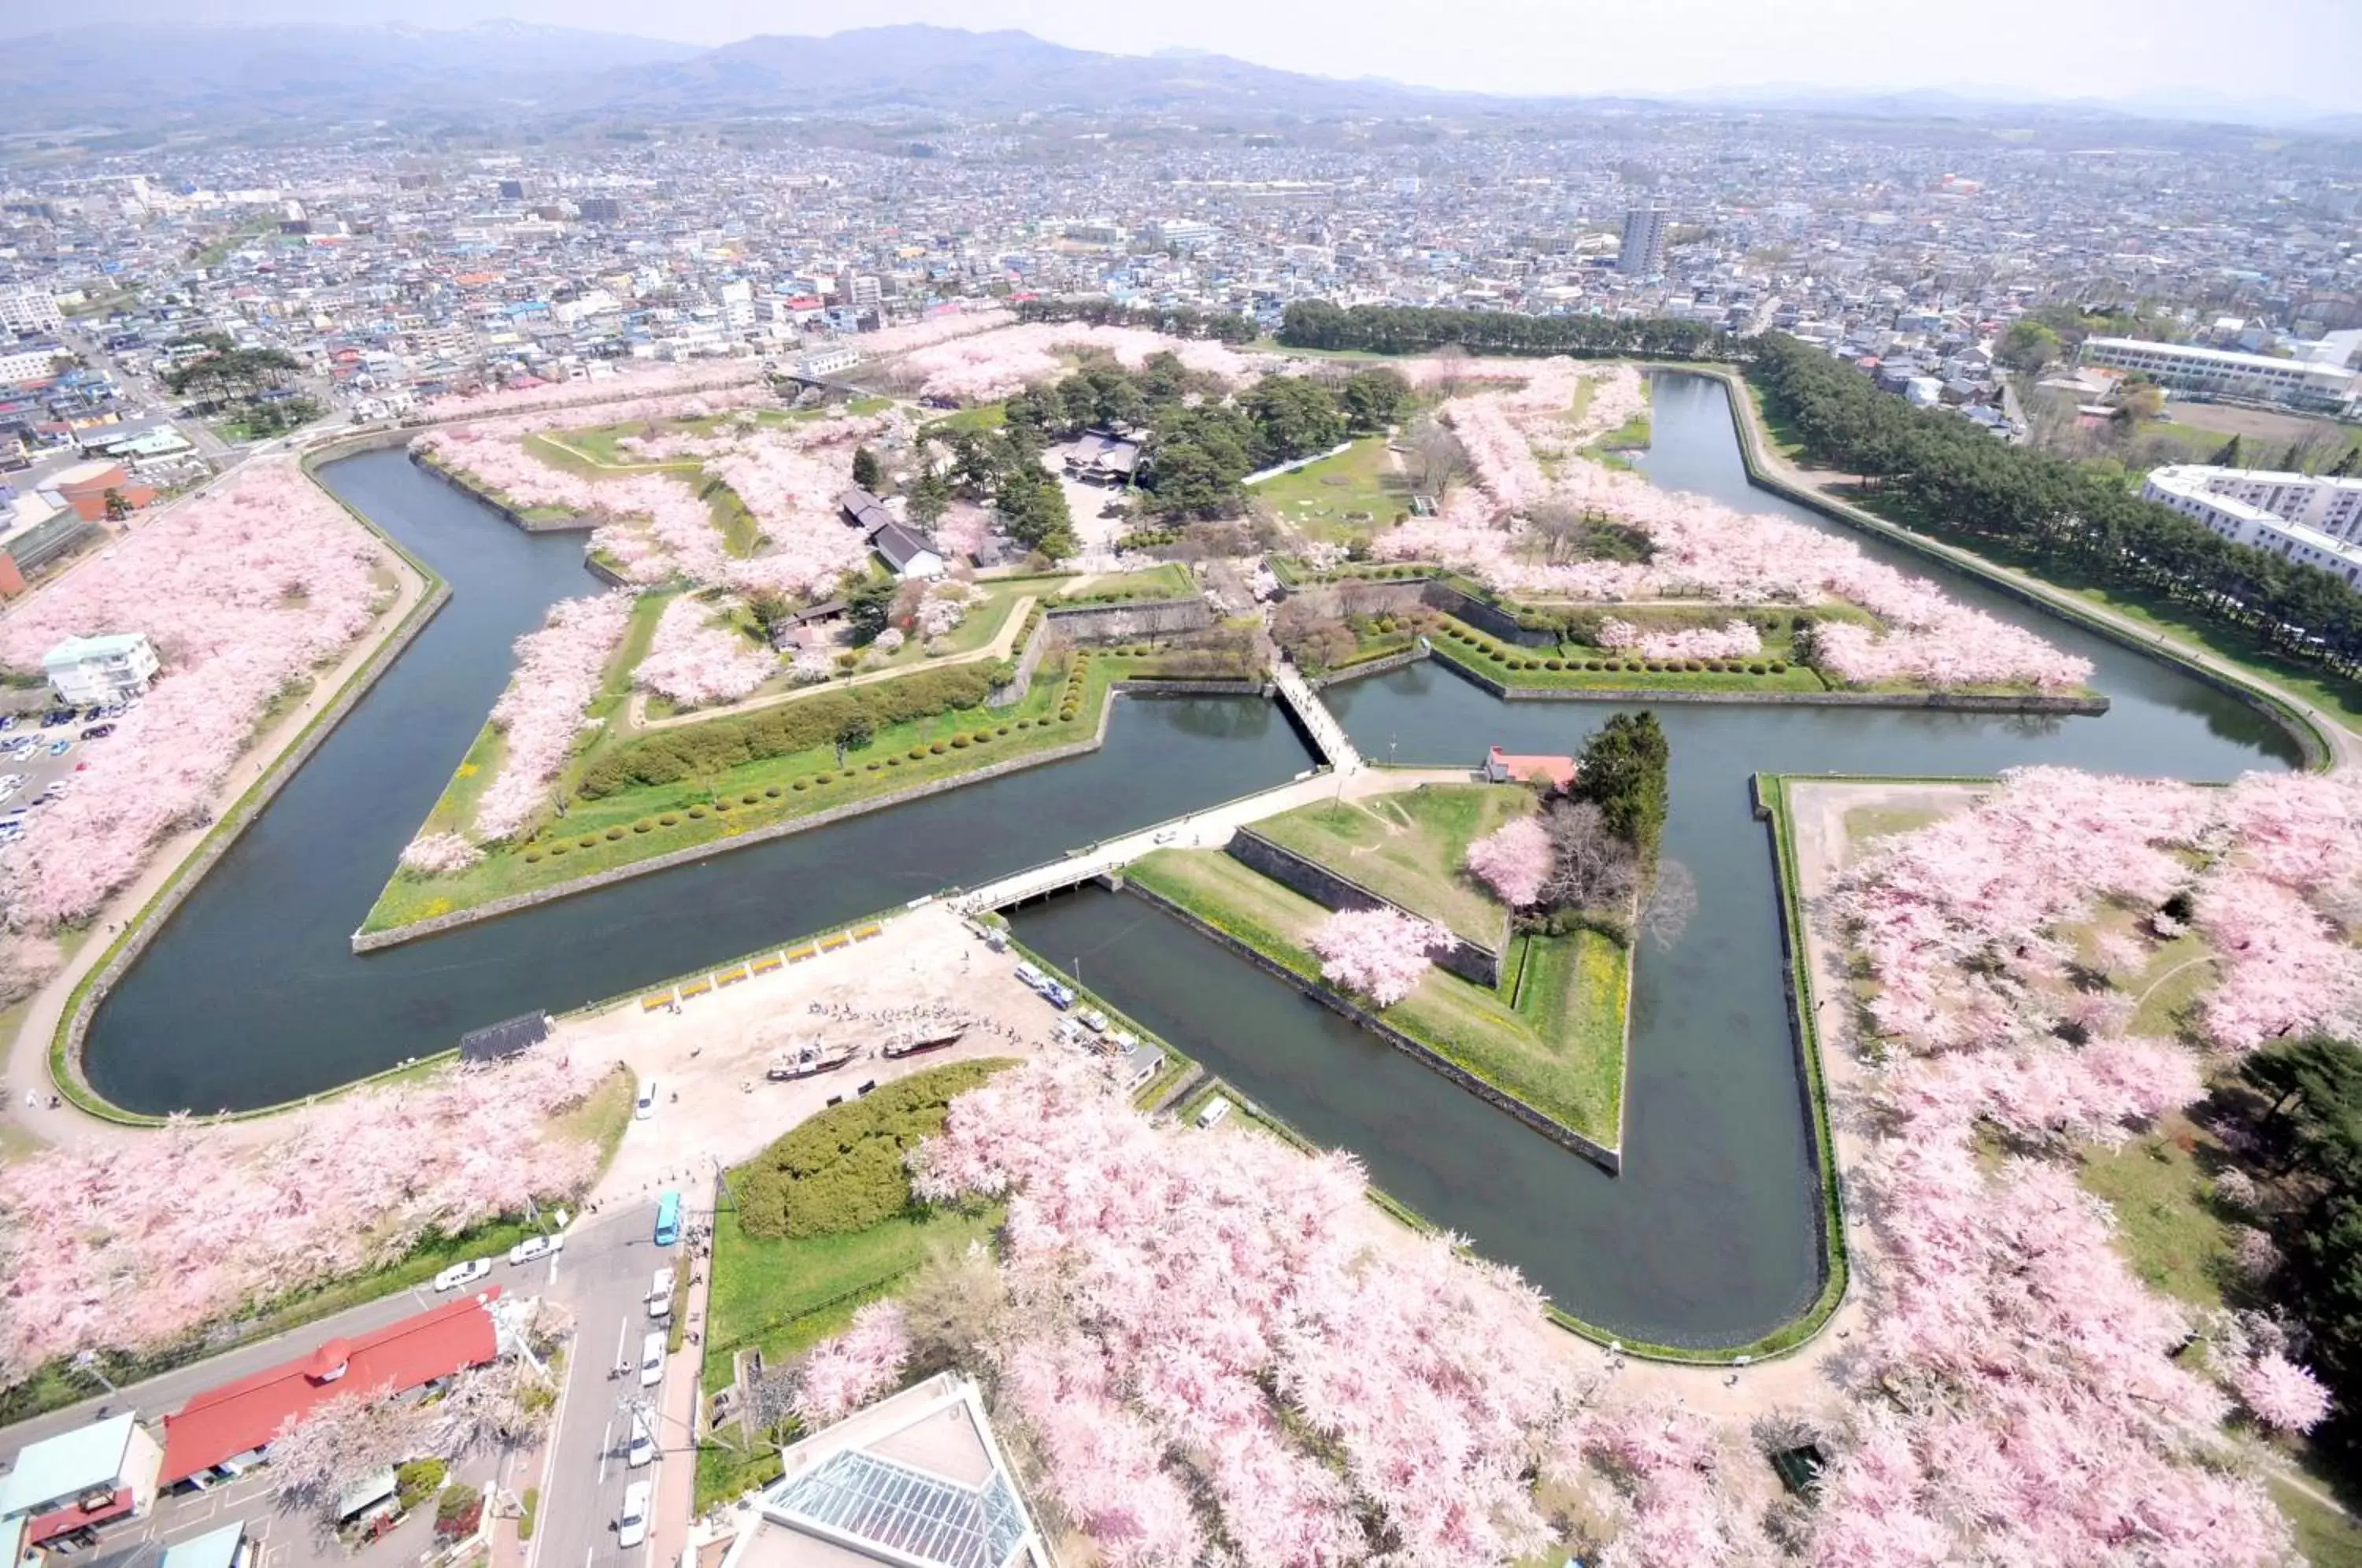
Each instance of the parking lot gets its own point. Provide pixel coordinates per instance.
(29, 770)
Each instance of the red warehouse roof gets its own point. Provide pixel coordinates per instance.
(240, 1417)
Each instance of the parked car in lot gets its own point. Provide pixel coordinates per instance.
(7, 721)
(57, 716)
(533, 1247)
(98, 732)
(59, 747)
(632, 1524)
(461, 1273)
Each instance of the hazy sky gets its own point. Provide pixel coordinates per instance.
(2305, 52)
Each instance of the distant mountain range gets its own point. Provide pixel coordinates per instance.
(155, 76)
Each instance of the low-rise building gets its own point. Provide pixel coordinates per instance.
(2197, 371)
(65, 1489)
(917, 1481)
(88, 487)
(100, 669)
(225, 1427)
(2315, 522)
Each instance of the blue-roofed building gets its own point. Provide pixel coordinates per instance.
(916, 1481)
(69, 1487)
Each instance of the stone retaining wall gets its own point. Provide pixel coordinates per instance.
(1193, 686)
(1008, 696)
(374, 941)
(152, 919)
(1332, 890)
(506, 512)
(1389, 663)
(1951, 701)
(1140, 617)
(1607, 1159)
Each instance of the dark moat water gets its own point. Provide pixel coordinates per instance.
(251, 995)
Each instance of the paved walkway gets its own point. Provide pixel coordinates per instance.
(2345, 744)
(1003, 645)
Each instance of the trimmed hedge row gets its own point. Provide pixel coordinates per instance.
(843, 1170)
(720, 745)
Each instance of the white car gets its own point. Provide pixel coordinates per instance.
(645, 1106)
(642, 1446)
(461, 1273)
(660, 1294)
(632, 1526)
(652, 1354)
(533, 1247)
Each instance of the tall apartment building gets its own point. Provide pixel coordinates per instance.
(2228, 373)
(1643, 255)
(857, 291)
(2315, 522)
(29, 308)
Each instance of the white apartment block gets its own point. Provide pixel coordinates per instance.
(28, 364)
(29, 308)
(2314, 522)
(2227, 373)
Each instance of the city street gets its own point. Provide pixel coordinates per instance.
(604, 1277)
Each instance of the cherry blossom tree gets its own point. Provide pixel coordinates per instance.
(135, 1243)
(697, 659)
(1699, 548)
(1171, 1295)
(840, 1374)
(1380, 953)
(440, 854)
(559, 670)
(246, 588)
(319, 1459)
(1514, 860)
(2282, 1395)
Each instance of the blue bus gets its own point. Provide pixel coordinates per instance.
(667, 1219)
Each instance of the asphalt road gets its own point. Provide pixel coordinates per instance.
(604, 1276)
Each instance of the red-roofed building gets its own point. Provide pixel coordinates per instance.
(1500, 768)
(241, 1417)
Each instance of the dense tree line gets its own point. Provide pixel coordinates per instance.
(1948, 472)
(1412, 329)
(2311, 1136)
(1199, 445)
(1172, 321)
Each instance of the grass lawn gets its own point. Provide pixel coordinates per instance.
(1866, 822)
(2166, 1226)
(979, 419)
(625, 828)
(1409, 846)
(2327, 1538)
(783, 1297)
(1169, 579)
(1341, 498)
(986, 618)
(1559, 1047)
